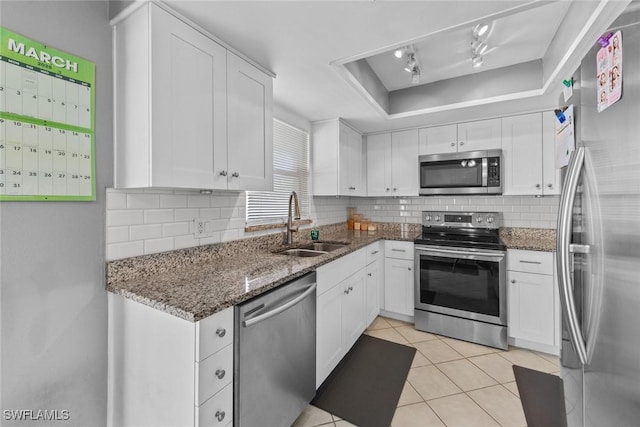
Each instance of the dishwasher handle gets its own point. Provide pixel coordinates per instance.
(280, 309)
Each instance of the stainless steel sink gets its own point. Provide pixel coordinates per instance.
(302, 252)
(324, 246)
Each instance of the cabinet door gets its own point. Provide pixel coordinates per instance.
(531, 307)
(188, 103)
(379, 164)
(550, 173)
(522, 151)
(250, 126)
(372, 285)
(353, 314)
(404, 163)
(480, 135)
(398, 286)
(329, 347)
(351, 156)
(438, 139)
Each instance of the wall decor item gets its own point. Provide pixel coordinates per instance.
(47, 122)
(609, 70)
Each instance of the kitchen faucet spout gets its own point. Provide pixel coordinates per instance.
(293, 198)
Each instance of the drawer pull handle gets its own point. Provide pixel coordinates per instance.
(369, 274)
(220, 373)
(530, 262)
(221, 332)
(374, 252)
(220, 415)
(398, 250)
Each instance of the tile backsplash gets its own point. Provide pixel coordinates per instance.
(518, 211)
(141, 222)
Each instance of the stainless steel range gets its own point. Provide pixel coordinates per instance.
(461, 277)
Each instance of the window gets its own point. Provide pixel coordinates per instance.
(290, 173)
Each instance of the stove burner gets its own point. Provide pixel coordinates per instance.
(468, 230)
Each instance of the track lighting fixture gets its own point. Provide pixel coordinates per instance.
(411, 63)
(415, 75)
(399, 52)
(479, 45)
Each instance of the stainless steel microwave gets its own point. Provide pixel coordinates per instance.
(471, 172)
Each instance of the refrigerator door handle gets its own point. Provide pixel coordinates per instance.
(565, 250)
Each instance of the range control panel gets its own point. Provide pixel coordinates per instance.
(462, 219)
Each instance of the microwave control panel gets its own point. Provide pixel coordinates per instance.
(493, 172)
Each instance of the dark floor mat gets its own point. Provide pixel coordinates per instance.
(365, 387)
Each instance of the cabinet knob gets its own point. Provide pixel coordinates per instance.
(538, 186)
(374, 252)
(220, 415)
(388, 188)
(220, 373)
(395, 189)
(235, 175)
(453, 144)
(223, 173)
(409, 268)
(513, 280)
(350, 288)
(221, 332)
(369, 274)
(352, 188)
(346, 291)
(461, 142)
(550, 185)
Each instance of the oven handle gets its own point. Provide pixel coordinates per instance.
(459, 252)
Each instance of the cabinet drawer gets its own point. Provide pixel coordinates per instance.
(398, 249)
(214, 372)
(373, 252)
(530, 261)
(217, 411)
(214, 333)
(331, 274)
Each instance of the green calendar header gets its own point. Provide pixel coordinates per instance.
(26, 51)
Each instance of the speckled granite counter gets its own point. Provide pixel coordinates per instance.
(195, 283)
(534, 239)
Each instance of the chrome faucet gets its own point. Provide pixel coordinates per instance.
(290, 228)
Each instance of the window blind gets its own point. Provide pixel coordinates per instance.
(290, 173)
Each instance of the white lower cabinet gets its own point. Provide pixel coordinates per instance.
(533, 315)
(373, 282)
(399, 278)
(167, 371)
(346, 301)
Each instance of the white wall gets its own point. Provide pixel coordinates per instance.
(524, 211)
(53, 321)
(141, 222)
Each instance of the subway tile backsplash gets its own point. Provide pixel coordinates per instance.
(141, 222)
(518, 211)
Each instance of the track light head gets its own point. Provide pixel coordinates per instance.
(411, 63)
(480, 29)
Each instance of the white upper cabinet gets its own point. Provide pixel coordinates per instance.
(469, 136)
(250, 126)
(439, 139)
(171, 108)
(392, 164)
(480, 135)
(526, 143)
(338, 168)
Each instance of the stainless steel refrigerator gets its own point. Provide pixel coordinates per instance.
(599, 247)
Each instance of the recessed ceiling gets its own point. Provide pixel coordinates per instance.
(307, 43)
(512, 39)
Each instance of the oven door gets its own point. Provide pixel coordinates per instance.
(462, 282)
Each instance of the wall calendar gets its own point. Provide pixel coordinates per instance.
(47, 122)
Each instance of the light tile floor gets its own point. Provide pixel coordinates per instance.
(451, 383)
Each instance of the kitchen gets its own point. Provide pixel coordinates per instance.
(55, 352)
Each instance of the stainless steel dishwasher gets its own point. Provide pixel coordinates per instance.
(275, 355)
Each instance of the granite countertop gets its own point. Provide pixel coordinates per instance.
(534, 239)
(195, 283)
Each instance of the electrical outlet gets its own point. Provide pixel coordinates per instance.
(202, 228)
